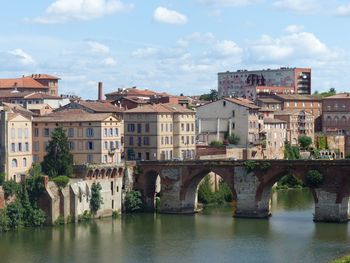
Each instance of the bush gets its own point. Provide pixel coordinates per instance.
(59, 221)
(289, 181)
(304, 141)
(233, 139)
(11, 188)
(85, 217)
(314, 179)
(96, 199)
(35, 170)
(4, 221)
(291, 152)
(61, 181)
(133, 201)
(14, 214)
(207, 196)
(35, 187)
(216, 144)
(250, 165)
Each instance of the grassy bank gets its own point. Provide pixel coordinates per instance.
(345, 259)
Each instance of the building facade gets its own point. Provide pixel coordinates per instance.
(16, 144)
(299, 123)
(160, 132)
(228, 116)
(336, 117)
(93, 137)
(242, 82)
(275, 132)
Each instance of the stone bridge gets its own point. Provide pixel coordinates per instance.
(251, 185)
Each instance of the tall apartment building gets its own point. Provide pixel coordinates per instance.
(33, 83)
(250, 83)
(336, 117)
(93, 137)
(299, 123)
(159, 132)
(229, 115)
(16, 143)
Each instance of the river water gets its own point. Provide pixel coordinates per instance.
(289, 235)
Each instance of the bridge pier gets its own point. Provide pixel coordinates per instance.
(327, 209)
(248, 205)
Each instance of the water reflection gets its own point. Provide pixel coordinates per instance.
(289, 235)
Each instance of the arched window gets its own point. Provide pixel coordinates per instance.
(24, 162)
(329, 119)
(14, 163)
(343, 120)
(336, 119)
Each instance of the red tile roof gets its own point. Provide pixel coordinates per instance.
(98, 106)
(73, 115)
(243, 102)
(43, 76)
(24, 82)
(160, 108)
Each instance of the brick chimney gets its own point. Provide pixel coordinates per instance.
(100, 91)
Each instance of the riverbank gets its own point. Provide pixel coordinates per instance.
(345, 259)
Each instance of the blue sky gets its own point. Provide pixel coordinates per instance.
(174, 46)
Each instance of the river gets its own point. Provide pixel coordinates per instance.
(289, 235)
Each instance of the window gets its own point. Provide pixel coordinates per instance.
(139, 141)
(36, 132)
(46, 146)
(13, 133)
(110, 132)
(14, 163)
(46, 132)
(147, 127)
(166, 127)
(171, 140)
(167, 140)
(36, 146)
(13, 147)
(162, 127)
(104, 159)
(71, 132)
(162, 140)
(71, 146)
(139, 128)
(187, 127)
(192, 126)
(224, 103)
(24, 162)
(20, 147)
(233, 114)
(26, 133)
(182, 126)
(182, 139)
(192, 139)
(90, 158)
(145, 140)
(116, 132)
(26, 147)
(111, 145)
(105, 145)
(171, 127)
(147, 155)
(90, 145)
(233, 125)
(105, 132)
(89, 132)
(131, 127)
(131, 140)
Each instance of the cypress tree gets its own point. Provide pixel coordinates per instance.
(58, 160)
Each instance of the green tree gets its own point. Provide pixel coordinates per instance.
(14, 214)
(35, 170)
(314, 179)
(216, 143)
(2, 178)
(61, 181)
(291, 152)
(96, 198)
(211, 96)
(58, 160)
(133, 201)
(233, 139)
(304, 141)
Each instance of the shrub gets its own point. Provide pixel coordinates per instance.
(85, 217)
(11, 188)
(96, 199)
(35, 170)
(59, 221)
(133, 201)
(4, 221)
(304, 141)
(216, 144)
(289, 181)
(205, 194)
(35, 187)
(37, 217)
(291, 152)
(233, 139)
(14, 214)
(61, 181)
(314, 179)
(250, 165)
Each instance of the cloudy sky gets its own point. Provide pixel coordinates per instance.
(174, 46)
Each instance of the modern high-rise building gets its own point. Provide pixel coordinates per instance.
(250, 83)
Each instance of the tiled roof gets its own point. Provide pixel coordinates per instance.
(160, 108)
(271, 120)
(243, 102)
(290, 112)
(13, 94)
(339, 96)
(16, 108)
(100, 107)
(133, 92)
(268, 100)
(40, 95)
(44, 76)
(72, 115)
(24, 82)
(298, 97)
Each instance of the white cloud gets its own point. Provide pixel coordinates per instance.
(302, 45)
(24, 58)
(144, 52)
(109, 61)
(294, 28)
(298, 6)
(164, 15)
(343, 10)
(97, 47)
(64, 10)
(228, 48)
(226, 2)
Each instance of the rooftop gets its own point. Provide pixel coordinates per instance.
(100, 107)
(344, 95)
(290, 112)
(243, 102)
(160, 108)
(73, 115)
(298, 97)
(271, 120)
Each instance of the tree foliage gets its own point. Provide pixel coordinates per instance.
(133, 201)
(304, 141)
(314, 179)
(211, 96)
(325, 94)
(233, 139)
(207, 196)
(216, 144)
(58, 160)
(291, 152)
(96, 198)
(2, 178)
(61, 181)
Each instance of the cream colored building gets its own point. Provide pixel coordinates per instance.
(93, 137)
(16, 143)
(229, 115)
(275, 132)
(299, 123)
(159, 132)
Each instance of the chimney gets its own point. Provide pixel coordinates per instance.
(100, 91)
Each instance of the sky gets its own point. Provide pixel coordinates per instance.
(173, 46)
